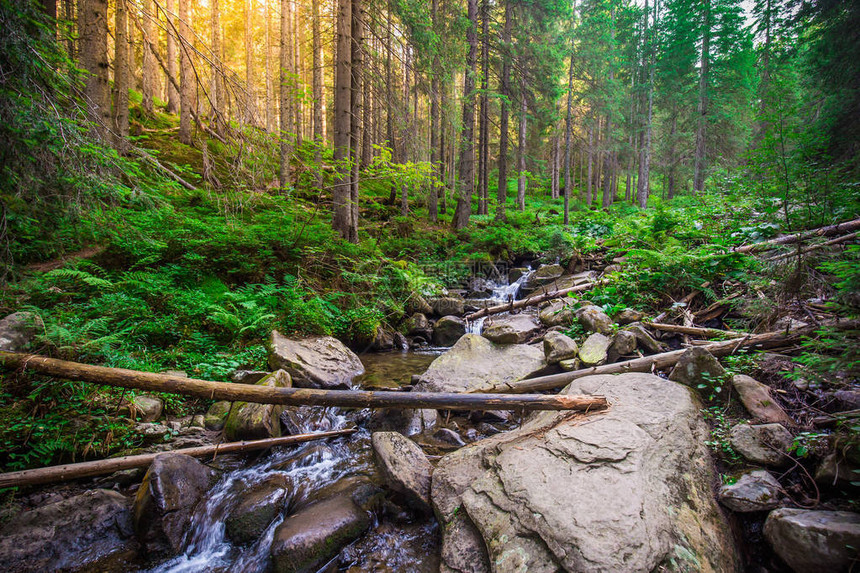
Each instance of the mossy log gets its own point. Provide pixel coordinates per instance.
(829, 231)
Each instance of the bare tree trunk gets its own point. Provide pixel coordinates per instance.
(298, 105)
(483, 127)
(607, 167)
(342, 120)
(271, 113)
(218, 95)
(250, 105)
(172, 68)
(567, 126)
(356, 105)
(121, 75)
(287, 128)
(317, 85)
(505, 89)
(92, 24)
(405, 133)
(433, 195)
(467, 141)
(148, 69)
(69, 11)
(443, 148)
(644, 188)
(670, 192)
(702, 108)
(186, 74)
(588, 188)
(521, 149)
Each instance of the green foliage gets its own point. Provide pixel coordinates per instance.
(720, 430)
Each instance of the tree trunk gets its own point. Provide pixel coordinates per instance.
(287, 129)
(644, 187)
(317, 84)
(607, 167)
(172, 69)
(121, 75)
(342, 191)
(149, 83)
(271, 112)
(432, 196)
(250, 104)
(702, 108)
(467, 141)
(588, 188)
(356, 105)
(567, 128)
(186, 74)
(521, 148)
(505, 89)
(93, 29)
(219, 95)
(483, 128)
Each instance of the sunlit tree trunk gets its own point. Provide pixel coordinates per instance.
(356, 105)
(505, 90)
(483, 128)
(149, 72)
(271, 113)
(567, 129)
(521, 149)
(93, 28)
(467, 141)
(702, 108)
(342, 119)
(172, 69)
(286, 96)
(186, 73)
(217, 95)
(121, 75)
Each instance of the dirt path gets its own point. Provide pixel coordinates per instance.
(59, 262)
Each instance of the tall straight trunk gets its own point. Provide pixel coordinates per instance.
(555, 166)
(149, 71)
(342, 191)
(69, 13)
(356, 105)
(186, 74)
(505, 89)
(567, 128)
(702, 108)
(405, 133)
(248, 37)
(172, 68)
(433, 195)
(590, 178)
(317, 84)
(521, 149)
(286, 96)
(673, 129)
(467, 141)
(219, 93)
(271, 113)
(93, 29)
(483, 127)
(607, 167)
(443, 148)
(367, 98)
(298, 73)
(121, 75)
(644, 187)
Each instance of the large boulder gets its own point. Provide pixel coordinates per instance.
(753, 491)
(593, 319)
(143, 407)
(171, 489)
(629, 316)
(216, 416)
(310, 537)
(594, 350)
(250, 421)
(625, 489)
(644, 339)
(314, 362)
(698, 369)
(418, 325)
(512, 329)
(260, 504)
(558, 347)
(17, 330)
(88, 532)
(623, 344)
(814, 541)
(475, 362)
(448, 330)
(557, 313)
(405, 467)
(448, 305)
(765, 444)
(759, 402)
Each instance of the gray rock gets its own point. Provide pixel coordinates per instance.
(698, 369)
(593, 319)
(558, 347)
(405, 468)
(400, 342)
(448, 330)
(475, 362)
(845, 400)
(383, 341)
(248, 376)
(418, 325)
(765, 444)
(314, 362)
(88, 532)
(418, 303)
(646, 342)
(569, 365)
(512, 329)
(309, 538)
(250, 421)
(152, 432)
(171, 488)
(623, 344)
(626, 489)
(759, 402)
(787, 323)
(143, 407)
(17, 330)
(814, 541)
(198, 421)
(544, 275)
(594, 350)
(753, 491)
(557, 313)
(516, 273)
(835, 470)
(216, 416)
(259, 505)
(629, 316)
(448, 305)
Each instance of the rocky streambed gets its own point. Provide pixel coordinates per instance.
(630, 488)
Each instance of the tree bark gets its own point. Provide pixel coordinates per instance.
(588, 188)
(483, 127)
(829, 231)
(66, 472)
(149, 80)
(206, 389)
(467, 142)
(172, 69)
(356, 105)
(521, 148)
(317, 84)
(218, 95)
(702, 108)
(93, 29)
(121, 75)
(433, 194)
(505, 89)
(250, 104)
(342, 120)
(287, 129)
(567, 128)
(186, 74)
(271, 112)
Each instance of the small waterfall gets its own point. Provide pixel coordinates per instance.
(501, 293)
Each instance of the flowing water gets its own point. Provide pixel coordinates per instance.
(502, 292)
(394, 547)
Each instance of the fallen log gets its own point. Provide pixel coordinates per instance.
(66, 472)
(528, 301)
(829, 231)
(292, 396)
(811, 248)
(661, 361)
(696, 330)
(684, 302)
